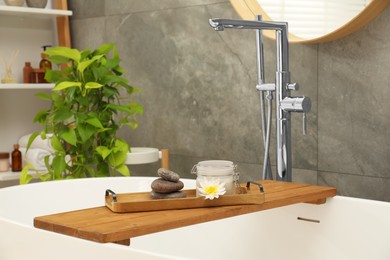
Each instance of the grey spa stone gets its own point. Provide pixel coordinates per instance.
(173, 195)
(162, 186)
(168, 175)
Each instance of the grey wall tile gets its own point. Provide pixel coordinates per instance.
(304, 176)
(354, 122)
(86, 8)
(134, 6)
(356, 186)
(88, 33)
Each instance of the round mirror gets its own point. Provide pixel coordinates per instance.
(313, 21)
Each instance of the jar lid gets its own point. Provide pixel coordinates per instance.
(215, 167)
(216, 163)
(4, 155)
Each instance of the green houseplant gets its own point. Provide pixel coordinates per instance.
(85, 114)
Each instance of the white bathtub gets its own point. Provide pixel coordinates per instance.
(348, 228)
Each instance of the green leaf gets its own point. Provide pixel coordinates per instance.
(66, 84)
(132, 125)
(113, 63)
(119, 108)
(40, 117)
(31, 139)
(25, 177)
(66, 52)
(123, 169)
(44, 96)
(95, 122)
(69, 136)
(44, 177)
(104, 48)
(121, 145)
(85, 64)
(100, 72)
(103, 151)
(119, 70)
(85, 53)
(109, 91)
(85, 131)
(57, 145)
(102, 170)
(136, 108)
(119, 153)
(113, 78)
(59, 166)
(62, 114)
(53, 75)
(90, 170)
(90, 85)
(58, 59)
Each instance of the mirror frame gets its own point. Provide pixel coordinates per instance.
(247, 9)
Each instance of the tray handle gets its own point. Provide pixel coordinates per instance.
(108, 191)
(248, 185)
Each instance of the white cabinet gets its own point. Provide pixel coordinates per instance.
(25, 30)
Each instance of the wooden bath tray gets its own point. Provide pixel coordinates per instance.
(102, 225)
(141, 201)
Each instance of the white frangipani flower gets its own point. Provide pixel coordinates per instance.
(211, 188)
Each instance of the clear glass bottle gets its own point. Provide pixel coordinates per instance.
(16, 159)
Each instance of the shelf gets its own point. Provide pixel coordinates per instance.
(35, 12)
(9, 176)
(12, 176)
(26, 86)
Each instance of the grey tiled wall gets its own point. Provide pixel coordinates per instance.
(198, 91)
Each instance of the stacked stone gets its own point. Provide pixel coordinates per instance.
(168, 186)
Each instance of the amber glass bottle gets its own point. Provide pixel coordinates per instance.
(16, 164)
(27, 70)
(44, 64)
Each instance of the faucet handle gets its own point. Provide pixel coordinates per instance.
(266, 87)
(293, 86)
(304, 123)
(297, 104)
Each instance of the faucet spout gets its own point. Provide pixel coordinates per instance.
(218, 23)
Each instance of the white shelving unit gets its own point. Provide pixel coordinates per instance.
(12, 176)
(26, 29)
(16, 86)
(33, 12)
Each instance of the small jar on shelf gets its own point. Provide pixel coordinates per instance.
(4, 162)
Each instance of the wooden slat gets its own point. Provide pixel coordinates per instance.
(63, 29)
(165, 158)
(102, 225)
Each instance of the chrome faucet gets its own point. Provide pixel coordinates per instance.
(285, 103)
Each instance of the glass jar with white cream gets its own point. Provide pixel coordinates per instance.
(215, 178)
